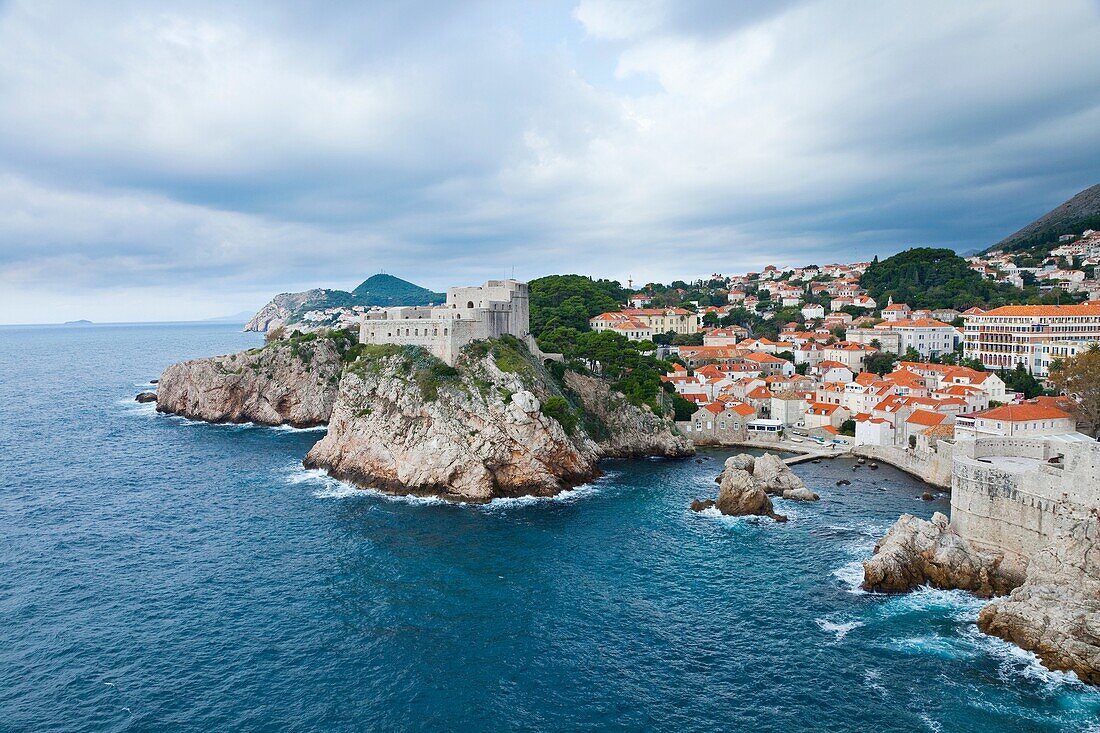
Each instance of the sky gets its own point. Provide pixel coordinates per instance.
(177, 161)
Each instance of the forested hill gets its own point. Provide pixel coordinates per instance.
(1072, 217)
(387, 290)
(924, 277)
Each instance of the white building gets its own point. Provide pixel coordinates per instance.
(873, 430)
(928, 337)
(810, 311)
(1004, 337)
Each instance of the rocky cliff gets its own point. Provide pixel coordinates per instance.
(291, 382)
(1056, 611)
(494, 425)
(403, 422)
(627, 431)
(281, 308)
(916, 552)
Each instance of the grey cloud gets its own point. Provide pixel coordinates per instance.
(213, 146)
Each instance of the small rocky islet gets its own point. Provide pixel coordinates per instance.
(747, 483)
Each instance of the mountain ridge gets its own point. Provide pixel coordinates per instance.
(1072, 216)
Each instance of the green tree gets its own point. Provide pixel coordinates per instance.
(570, 300)
(1021, 380)
(1079, 377)
(881, 362)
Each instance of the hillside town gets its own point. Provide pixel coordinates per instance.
(808, 353)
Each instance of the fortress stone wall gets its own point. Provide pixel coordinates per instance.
(497, 308)
(1007, 493)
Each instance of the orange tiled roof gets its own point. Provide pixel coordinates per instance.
(1022, 412)
(926, 417)
(1045, 310)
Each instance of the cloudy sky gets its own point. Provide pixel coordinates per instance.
(188, 160)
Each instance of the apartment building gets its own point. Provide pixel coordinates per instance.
(1004, 337)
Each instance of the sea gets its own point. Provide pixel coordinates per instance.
(159, 574)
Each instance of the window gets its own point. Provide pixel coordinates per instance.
(469, 304)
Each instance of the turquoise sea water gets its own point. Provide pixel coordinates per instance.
(159, 574)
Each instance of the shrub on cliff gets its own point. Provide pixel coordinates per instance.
(559, 409)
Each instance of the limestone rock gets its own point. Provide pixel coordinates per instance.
(917, 552)
(471, 435)
(775, 476)
(144, 397)
(279, 310)
(631, 431)
(740, 495)
(1056, 612)
(741, 461)
(699, 505)
(802, 494)
(292, 382)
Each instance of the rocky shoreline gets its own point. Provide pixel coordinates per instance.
(1049, 605)
(400, 421)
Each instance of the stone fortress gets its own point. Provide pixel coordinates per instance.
(1008, 494)
(497, 308)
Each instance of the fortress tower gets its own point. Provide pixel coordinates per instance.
(497, 308)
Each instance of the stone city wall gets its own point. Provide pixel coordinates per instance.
(1012, 506)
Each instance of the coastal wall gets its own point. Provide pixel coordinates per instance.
(1007, 493)
(931, 467)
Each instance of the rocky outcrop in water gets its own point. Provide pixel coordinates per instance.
(495, 425)
(739, 493)
(144, 397)
(776, 477)
(292, 382)
(917, 552)
(402, 421)
(1055, 613)
(626, 431)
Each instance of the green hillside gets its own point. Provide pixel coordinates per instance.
(381, 290)
(925, 277)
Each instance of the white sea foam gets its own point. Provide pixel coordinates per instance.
(574, 494)
(291, 429)
(961, 606)
(872, 677)
(734, 521)
(851, 575)
(932, 723)
(140, 409)
(331, 488)
(1014, 663)
(839, 630)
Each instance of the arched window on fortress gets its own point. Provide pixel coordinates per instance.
(444, 331)
(469, 304)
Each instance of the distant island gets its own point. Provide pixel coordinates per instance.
(81, 322)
